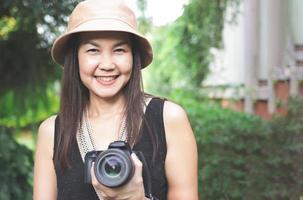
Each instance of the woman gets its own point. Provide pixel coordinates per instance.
(102, 101)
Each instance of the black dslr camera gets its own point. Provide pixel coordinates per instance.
(113, 167)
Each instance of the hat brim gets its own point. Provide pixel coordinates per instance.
(102, 24)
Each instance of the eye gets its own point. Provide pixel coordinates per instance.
(92, 50)
(120, 50)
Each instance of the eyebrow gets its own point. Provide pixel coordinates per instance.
(90, 42)
(119, 43)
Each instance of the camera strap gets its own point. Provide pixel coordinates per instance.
(146, 177)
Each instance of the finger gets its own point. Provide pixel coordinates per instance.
(138, 165)
(99, 187)
(138, 178)
(94, 179)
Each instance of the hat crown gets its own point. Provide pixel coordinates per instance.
(101, 9)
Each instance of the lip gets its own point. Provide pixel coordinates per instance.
(107, 80)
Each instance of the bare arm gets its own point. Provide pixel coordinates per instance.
(45, 185)
(181, 162)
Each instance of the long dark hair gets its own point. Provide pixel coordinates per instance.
(75, 98)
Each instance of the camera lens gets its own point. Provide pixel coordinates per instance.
(112, 166)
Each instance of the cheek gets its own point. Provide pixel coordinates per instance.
(127, 65)
(129, 68)
(86, 69)
(86, 66)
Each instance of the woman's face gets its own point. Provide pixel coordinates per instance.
(105, 62)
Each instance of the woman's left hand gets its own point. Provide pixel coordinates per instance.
(133, 190)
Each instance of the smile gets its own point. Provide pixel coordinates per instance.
(106, 80)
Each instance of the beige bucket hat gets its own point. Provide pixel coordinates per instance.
(102, 15)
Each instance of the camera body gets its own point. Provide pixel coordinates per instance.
(113, 167)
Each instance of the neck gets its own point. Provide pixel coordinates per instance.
(106, 108)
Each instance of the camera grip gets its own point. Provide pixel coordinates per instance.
(89, 158)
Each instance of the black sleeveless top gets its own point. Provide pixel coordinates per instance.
(70, 183)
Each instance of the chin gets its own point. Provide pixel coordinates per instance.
(109, 94)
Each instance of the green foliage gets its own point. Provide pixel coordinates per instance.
(166, 70)
(243, 157)
(15, 168)
(201, 27)
(182, 49)
(144, 22)
(27, 28)
(28, 83)
(21, 112)
(285, 153)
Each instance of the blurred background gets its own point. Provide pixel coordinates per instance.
(236, 66)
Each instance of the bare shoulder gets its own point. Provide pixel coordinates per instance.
(176, 123)
(46, 128)
(46, 135)
(175, 116)
(48, 123)
(44, 171)
(173, 111)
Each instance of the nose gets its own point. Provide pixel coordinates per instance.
(106, 63)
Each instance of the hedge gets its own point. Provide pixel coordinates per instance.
(15, 168)
(244, 157)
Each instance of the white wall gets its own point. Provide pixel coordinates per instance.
(280, 21)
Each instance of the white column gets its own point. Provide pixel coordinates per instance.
(251, 48)
(296, 16)
(296, 33)
(273, 44)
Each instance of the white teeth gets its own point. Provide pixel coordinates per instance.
(106, 78)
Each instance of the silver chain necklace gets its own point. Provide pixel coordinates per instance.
(121, 133)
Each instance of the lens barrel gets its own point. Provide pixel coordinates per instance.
(113, 167)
